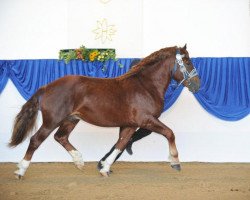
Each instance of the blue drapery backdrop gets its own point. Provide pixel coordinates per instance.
(224, 92)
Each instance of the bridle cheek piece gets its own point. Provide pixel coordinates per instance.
(186, 75)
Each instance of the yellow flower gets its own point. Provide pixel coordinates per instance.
(93, 55)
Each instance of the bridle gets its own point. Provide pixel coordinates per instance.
(186, 75)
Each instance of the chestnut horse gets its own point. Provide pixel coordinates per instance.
(132, 100)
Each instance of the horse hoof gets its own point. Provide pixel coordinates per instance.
(177, 167)
(104, 174)
(129, 149)
(18, 176)
(99, 165)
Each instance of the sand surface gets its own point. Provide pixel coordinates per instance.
(128, 181)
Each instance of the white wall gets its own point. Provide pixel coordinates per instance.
(39, 28)
(216, 28)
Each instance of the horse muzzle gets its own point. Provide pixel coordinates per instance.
(193, 84)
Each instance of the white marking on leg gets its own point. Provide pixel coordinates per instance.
(109, 161)
(77, 158)
(22, 167)
(173, 161)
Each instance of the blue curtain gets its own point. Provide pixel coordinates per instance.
(225, 82)
(172, 94)
(29, 75)
(3, 75)
(225, 86)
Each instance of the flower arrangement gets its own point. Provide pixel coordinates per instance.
(85, 54)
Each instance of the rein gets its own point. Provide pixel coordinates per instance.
(179, 63)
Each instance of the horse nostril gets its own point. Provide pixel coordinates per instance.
(194, 87)
(197, 88)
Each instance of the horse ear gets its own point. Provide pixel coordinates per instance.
(185, 47)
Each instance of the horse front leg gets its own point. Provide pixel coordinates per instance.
(99, 165)
(139, 134)
(157, 126)
(124, 137)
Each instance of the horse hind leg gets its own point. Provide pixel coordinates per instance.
(62, 137)
(35, 141)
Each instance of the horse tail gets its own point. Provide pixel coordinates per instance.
(26, 119)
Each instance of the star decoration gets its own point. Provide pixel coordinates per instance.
(104, 31)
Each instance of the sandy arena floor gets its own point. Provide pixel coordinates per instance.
(129, 181)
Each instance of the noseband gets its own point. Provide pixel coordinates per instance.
(186, 75)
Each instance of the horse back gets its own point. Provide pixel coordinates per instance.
(114, 102)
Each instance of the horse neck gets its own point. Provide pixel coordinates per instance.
(156, 78)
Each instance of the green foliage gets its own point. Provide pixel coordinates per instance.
(85, 54)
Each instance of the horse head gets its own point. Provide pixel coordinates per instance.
(184, 72)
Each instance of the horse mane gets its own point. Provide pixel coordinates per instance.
(150, 60)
